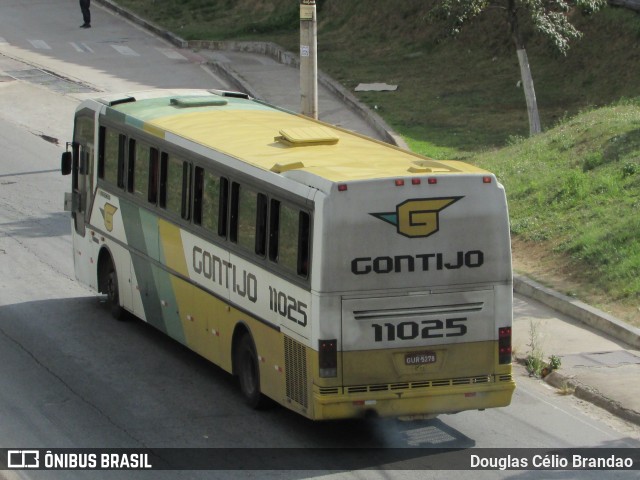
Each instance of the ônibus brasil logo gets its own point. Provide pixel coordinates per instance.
(417, 218)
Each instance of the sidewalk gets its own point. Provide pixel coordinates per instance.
(600, 355)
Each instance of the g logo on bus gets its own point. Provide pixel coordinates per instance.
(417, 218)
(107, 215)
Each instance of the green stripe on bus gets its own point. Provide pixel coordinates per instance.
(152, 109)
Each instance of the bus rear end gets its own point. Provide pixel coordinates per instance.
(413, 286)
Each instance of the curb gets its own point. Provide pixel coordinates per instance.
(573, 308)
(587, 393)
(284, 57)
(232, 77)
(592, 395)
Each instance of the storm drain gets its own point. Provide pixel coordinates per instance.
(49, 80)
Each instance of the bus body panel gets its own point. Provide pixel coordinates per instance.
(417, 403)
(421, 319)
(382, 236)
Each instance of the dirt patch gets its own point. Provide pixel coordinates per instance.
(556, 272)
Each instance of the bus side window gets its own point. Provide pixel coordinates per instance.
(209, 202)
(185, 208)
(122, 145)
(289, 238)
(248, 219)
(175, 178)
(274, 230)
(139, 169)
(198, 187)
(111, 156)
(303, 244)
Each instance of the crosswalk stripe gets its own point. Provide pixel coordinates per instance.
(40, 44)
(81, 47)
(124, 50)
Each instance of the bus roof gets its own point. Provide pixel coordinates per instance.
(271, 138)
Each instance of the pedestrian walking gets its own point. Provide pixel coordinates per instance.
(86, 13)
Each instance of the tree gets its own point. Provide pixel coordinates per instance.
(550, 18)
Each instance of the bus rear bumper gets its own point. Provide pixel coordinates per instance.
(413, 403)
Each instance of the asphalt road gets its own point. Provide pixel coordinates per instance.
(72, 377)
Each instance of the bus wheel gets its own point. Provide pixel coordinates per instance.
(113, 294)
(249, 372)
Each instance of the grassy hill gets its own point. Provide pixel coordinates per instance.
(455, 93)
(573, 191)
(574, 200)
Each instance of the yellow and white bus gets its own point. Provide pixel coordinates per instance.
(334, 274)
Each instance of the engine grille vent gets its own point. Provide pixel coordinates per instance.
(295, 364)
(425, 384)
(418, 311)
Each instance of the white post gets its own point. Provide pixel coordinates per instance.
(308, 58)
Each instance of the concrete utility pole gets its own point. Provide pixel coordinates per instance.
(308, 58)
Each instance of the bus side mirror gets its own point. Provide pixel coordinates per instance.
(65, 163)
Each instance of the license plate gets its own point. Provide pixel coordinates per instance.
(419, 358)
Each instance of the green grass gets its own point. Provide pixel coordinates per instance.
(459, 93)
(573, 190)
(576, 188)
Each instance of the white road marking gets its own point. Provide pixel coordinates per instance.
(82, 47)
(123, 50)
(40, 44)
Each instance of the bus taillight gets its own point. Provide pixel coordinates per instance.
(328, 358)
(504, 345)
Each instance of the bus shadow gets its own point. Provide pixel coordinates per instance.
(52, 225)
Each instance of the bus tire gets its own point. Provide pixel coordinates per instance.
(113, 293)
(248, 370)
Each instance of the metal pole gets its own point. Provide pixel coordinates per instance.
(308, 58)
